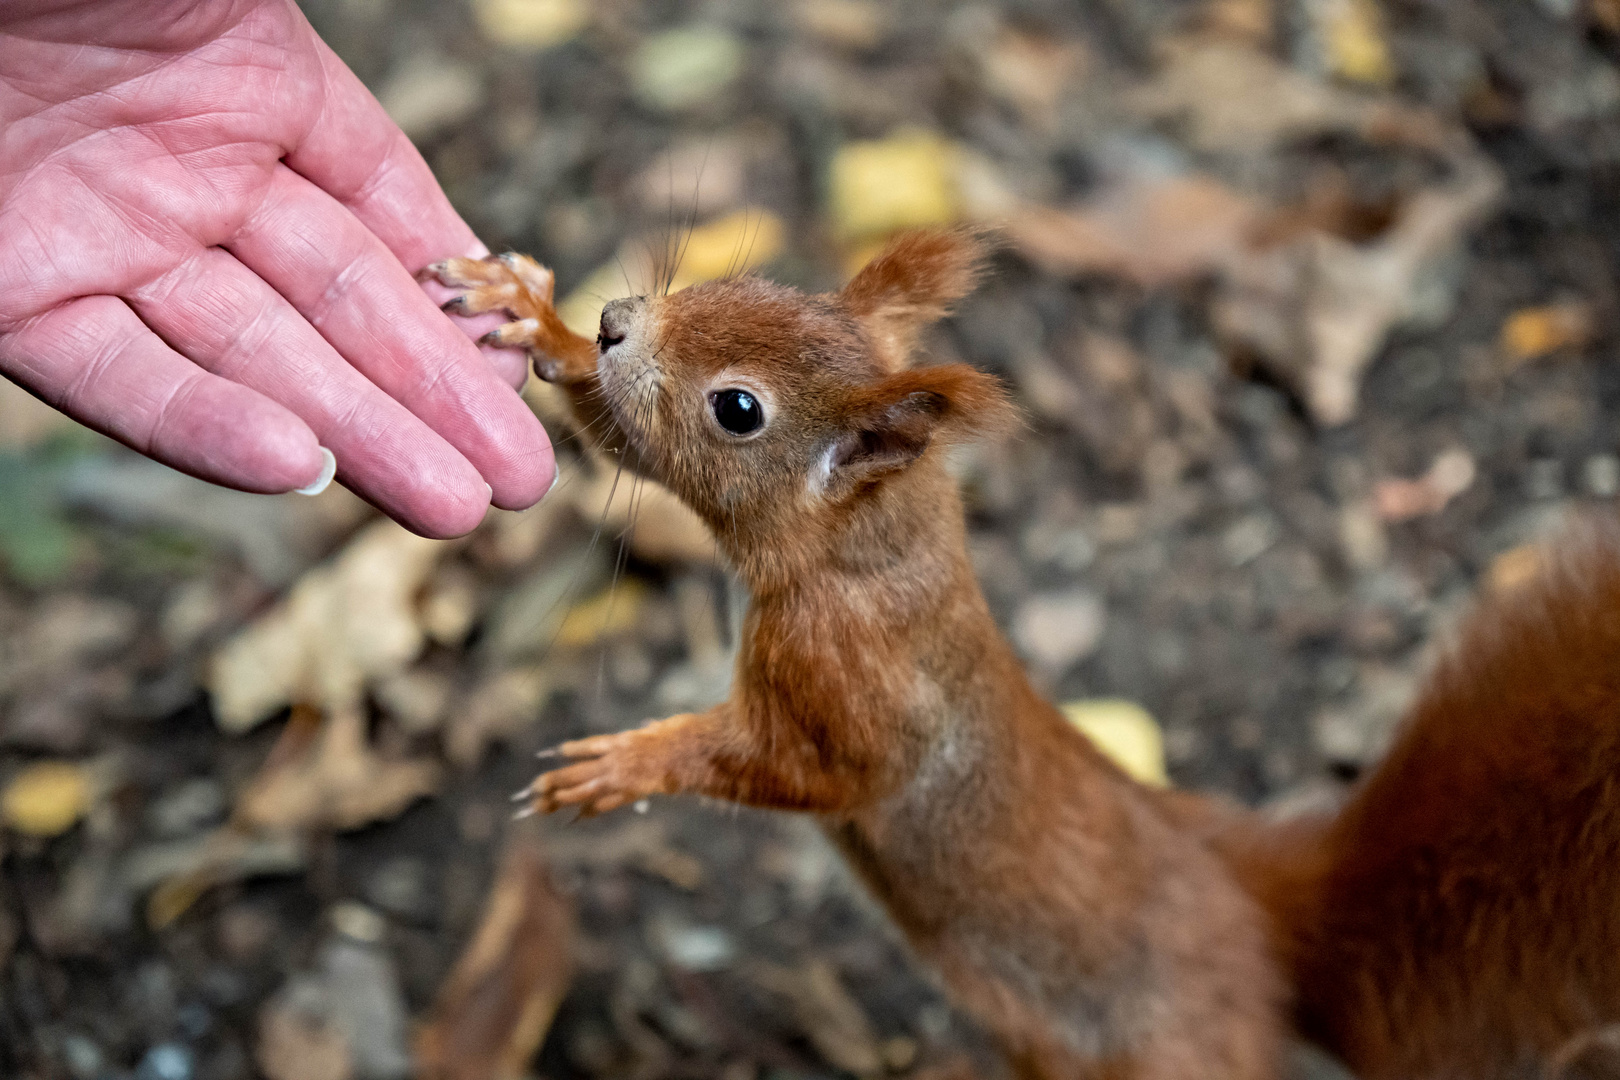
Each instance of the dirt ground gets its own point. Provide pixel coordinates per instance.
(1309, 305)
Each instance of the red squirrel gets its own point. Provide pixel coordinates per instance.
(1459, 918)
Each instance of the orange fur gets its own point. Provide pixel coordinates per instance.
(873, 689)
(1456, 920)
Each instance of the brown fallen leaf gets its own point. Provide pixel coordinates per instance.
(1231, 96)
(833, 1020)
(344, 624)
(299, 1041)
(499, 708)
(494, 1009)
(323, 774)
(1400, 500)
(1151, 231)
(657, 525)
(1318, 310)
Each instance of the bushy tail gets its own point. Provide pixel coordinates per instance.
(1461, 916)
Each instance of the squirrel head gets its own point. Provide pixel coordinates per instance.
(772, 412)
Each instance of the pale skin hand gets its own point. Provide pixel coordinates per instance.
(208, 231)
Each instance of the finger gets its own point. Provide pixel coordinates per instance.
(512, 365)
(343, 281)
(356, 153)
(93, 359)
(228, 321)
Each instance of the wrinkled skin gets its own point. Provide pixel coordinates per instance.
(208, 234)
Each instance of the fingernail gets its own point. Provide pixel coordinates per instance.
(556, 474)
(489, 493)
(478, 250)
(323, 481)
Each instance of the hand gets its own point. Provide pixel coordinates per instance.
(208, 230)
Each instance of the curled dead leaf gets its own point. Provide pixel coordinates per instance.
(494, 1009)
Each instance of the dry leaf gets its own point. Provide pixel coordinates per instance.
(1400, 500)
(1319, 309)
(1126, 733)
(298, 1042)
(1152, 231)
(500, 708)
(664, 530)
(531, 24)
(1031, 73)
(322, 774)
(1235, 98)
(46, 799)
(905, 181)
(734, 244)
(1353, 42)
(1533, 332)
(850, 24)
(1515, 567)
(179, 872)
(493, 1011)
(833, 1020)
(345, 623)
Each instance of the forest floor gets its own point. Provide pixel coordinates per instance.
(1308, 305)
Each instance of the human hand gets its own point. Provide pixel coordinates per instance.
(208, 229)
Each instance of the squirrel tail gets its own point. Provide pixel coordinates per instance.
(1461, 915)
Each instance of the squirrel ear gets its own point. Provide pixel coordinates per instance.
(912, 283)
(896, 420)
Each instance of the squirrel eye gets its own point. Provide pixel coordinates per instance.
(737, 411)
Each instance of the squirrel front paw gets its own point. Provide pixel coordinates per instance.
(522, 289)
(608, 771)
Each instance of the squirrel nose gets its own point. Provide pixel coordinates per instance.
(616, 318)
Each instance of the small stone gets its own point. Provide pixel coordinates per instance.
(358, 923)
(46, 799)
(683, 68)
(1602, 475)
(1248, 538)
(187, 807)
(83, 1058)
(1544, 479)
(166, 1061)
(1362, 537)
(368, 1007)
(697, 948)
(400, 887)
(1055, 630)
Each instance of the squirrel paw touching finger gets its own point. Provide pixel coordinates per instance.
(522, 289)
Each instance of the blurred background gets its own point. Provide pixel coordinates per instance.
(1308, 303)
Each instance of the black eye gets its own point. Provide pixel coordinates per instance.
(737, 410)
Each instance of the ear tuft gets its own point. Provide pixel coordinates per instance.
(912, 283)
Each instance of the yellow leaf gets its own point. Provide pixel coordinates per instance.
(1533, 332)
(1514, 567)
(905, 181)
(736, 243)
(1354, 37)
(611, 611)
(1125, 733)
(46, 799)
(531, 24)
